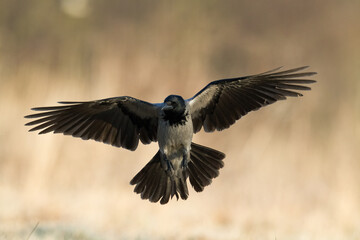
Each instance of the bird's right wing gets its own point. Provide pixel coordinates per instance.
(119, 121)
(218, 105)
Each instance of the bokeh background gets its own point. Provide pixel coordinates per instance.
(292, 169)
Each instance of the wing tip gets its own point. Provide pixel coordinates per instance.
(69, 102)
(36, 108)
(290, 70)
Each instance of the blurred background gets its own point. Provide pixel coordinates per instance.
(291, 171)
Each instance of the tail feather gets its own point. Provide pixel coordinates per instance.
(195, 182)
(204, 168)
(141, 179)
(158, 193)
(199, 174)
(183, 189)
(167, 192)
(208, 155)
(204, 165)
(153, 182)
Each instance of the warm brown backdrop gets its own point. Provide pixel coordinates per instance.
(292, 169)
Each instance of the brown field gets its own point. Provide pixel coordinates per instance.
(292, 169)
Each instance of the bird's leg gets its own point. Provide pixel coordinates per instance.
(185, 160)
(170, 166)
(166, 163)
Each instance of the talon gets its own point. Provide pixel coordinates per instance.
(184, 161)
(169, 165)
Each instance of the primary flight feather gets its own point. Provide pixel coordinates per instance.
(123, 121)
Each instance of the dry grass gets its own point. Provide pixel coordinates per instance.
(291, 171)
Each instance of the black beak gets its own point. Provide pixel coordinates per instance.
(167, 106)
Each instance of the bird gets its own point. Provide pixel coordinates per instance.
(124, 121)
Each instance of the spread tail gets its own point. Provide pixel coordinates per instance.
(153, 182)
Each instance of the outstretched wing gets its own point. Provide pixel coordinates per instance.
(222, 102)
(119, 121)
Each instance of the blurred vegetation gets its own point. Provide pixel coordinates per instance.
(295, 165)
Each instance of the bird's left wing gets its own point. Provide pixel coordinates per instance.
(222, 102)
(119, 121)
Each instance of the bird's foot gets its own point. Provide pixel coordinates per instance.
(184, 162)
(170, 166)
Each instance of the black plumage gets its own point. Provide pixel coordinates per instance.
(120, 121)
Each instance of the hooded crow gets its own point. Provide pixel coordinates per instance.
(123, 121)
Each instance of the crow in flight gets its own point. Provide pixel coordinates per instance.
(123, 121)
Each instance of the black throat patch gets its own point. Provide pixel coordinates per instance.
(175, 119)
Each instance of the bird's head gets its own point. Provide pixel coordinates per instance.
(174, 106)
